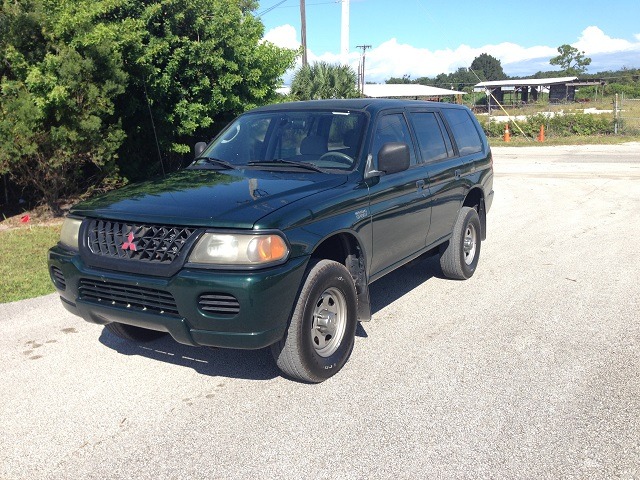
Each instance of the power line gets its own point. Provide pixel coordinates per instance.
(280, 5)
(267, 10)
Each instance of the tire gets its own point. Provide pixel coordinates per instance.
(321, 333)
(135, 334)
(460, 256)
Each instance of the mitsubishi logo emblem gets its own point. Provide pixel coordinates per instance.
(129, 245)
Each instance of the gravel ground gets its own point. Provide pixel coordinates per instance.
(531, 369)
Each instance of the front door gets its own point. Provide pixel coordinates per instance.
(398, 202)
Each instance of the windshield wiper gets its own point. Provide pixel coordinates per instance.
(216, 161)
(280, 161)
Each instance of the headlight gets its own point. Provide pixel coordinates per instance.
(69, 233)
(239, 249)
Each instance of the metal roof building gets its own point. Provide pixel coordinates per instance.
(406, 90)
(525, 82)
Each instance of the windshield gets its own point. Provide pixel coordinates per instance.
(312, 140)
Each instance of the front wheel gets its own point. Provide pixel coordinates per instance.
(321, 332)
(459, 258)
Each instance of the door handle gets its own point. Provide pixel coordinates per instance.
(420, 184)
(457, 173)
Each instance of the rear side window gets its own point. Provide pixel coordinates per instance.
(430, 136)
(464, 130)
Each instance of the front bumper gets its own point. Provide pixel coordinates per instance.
(265, 300)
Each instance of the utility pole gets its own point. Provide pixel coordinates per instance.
(344, 33)
(361, 67)
(303, 32)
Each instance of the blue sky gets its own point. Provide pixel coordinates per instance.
(425, 38)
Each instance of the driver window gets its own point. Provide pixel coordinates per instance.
(392, 128)
(242, 142)
(292, 133)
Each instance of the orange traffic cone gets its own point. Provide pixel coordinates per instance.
(507, 133)
(541, 134)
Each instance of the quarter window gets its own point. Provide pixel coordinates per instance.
(464, 130)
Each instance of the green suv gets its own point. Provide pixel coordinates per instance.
(272, 236)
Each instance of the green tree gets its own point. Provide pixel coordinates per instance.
(77, 74)
(571, 60)
(200, 63)
(404, 80)
(58, 131)
(324, 80)
(194, 65)
(488, 68)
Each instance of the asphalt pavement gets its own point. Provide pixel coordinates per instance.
(530, 369)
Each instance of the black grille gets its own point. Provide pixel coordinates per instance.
(147, 243)
(219, 304)
(128, 296)
(58, 278)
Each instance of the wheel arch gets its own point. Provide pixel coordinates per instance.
(345, 248)
(475, 199)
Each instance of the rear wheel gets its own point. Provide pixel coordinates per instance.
(322, 330)
(136, 334)
(459, 258)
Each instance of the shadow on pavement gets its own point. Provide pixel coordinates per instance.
(258, 364)
(214, 362)
(398, 283)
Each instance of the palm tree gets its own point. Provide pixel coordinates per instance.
(324, 80)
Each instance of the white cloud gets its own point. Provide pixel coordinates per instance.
(593, 40)
(394, 59)
(284, 36)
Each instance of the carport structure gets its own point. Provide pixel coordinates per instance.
(523, 91)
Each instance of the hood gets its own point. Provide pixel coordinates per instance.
(212, 198)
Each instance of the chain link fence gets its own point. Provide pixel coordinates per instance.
(626, 115)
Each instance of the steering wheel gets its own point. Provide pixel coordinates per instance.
(342, 157)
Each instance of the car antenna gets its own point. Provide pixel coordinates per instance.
(153, 125)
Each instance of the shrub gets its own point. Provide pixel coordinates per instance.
(560, 125)
(580, 124)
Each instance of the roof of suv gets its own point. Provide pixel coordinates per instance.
(368, 104)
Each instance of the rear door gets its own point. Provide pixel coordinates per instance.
(447, 150)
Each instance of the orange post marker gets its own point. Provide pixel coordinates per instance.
(507, 133)
(541, 134)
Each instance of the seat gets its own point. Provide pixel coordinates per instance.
(313, 146)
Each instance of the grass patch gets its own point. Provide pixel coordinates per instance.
(23, 262)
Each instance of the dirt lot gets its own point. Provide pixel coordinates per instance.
(531, 369)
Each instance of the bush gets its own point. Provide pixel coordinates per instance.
(58, 134)
(580, 124)
(493, 129)
(567, 125)
(80, 81)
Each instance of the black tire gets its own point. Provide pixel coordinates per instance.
(460, 256)
(322, 329)
(135, 334)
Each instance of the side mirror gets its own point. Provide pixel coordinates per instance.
(393, 157)
(199, 148)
